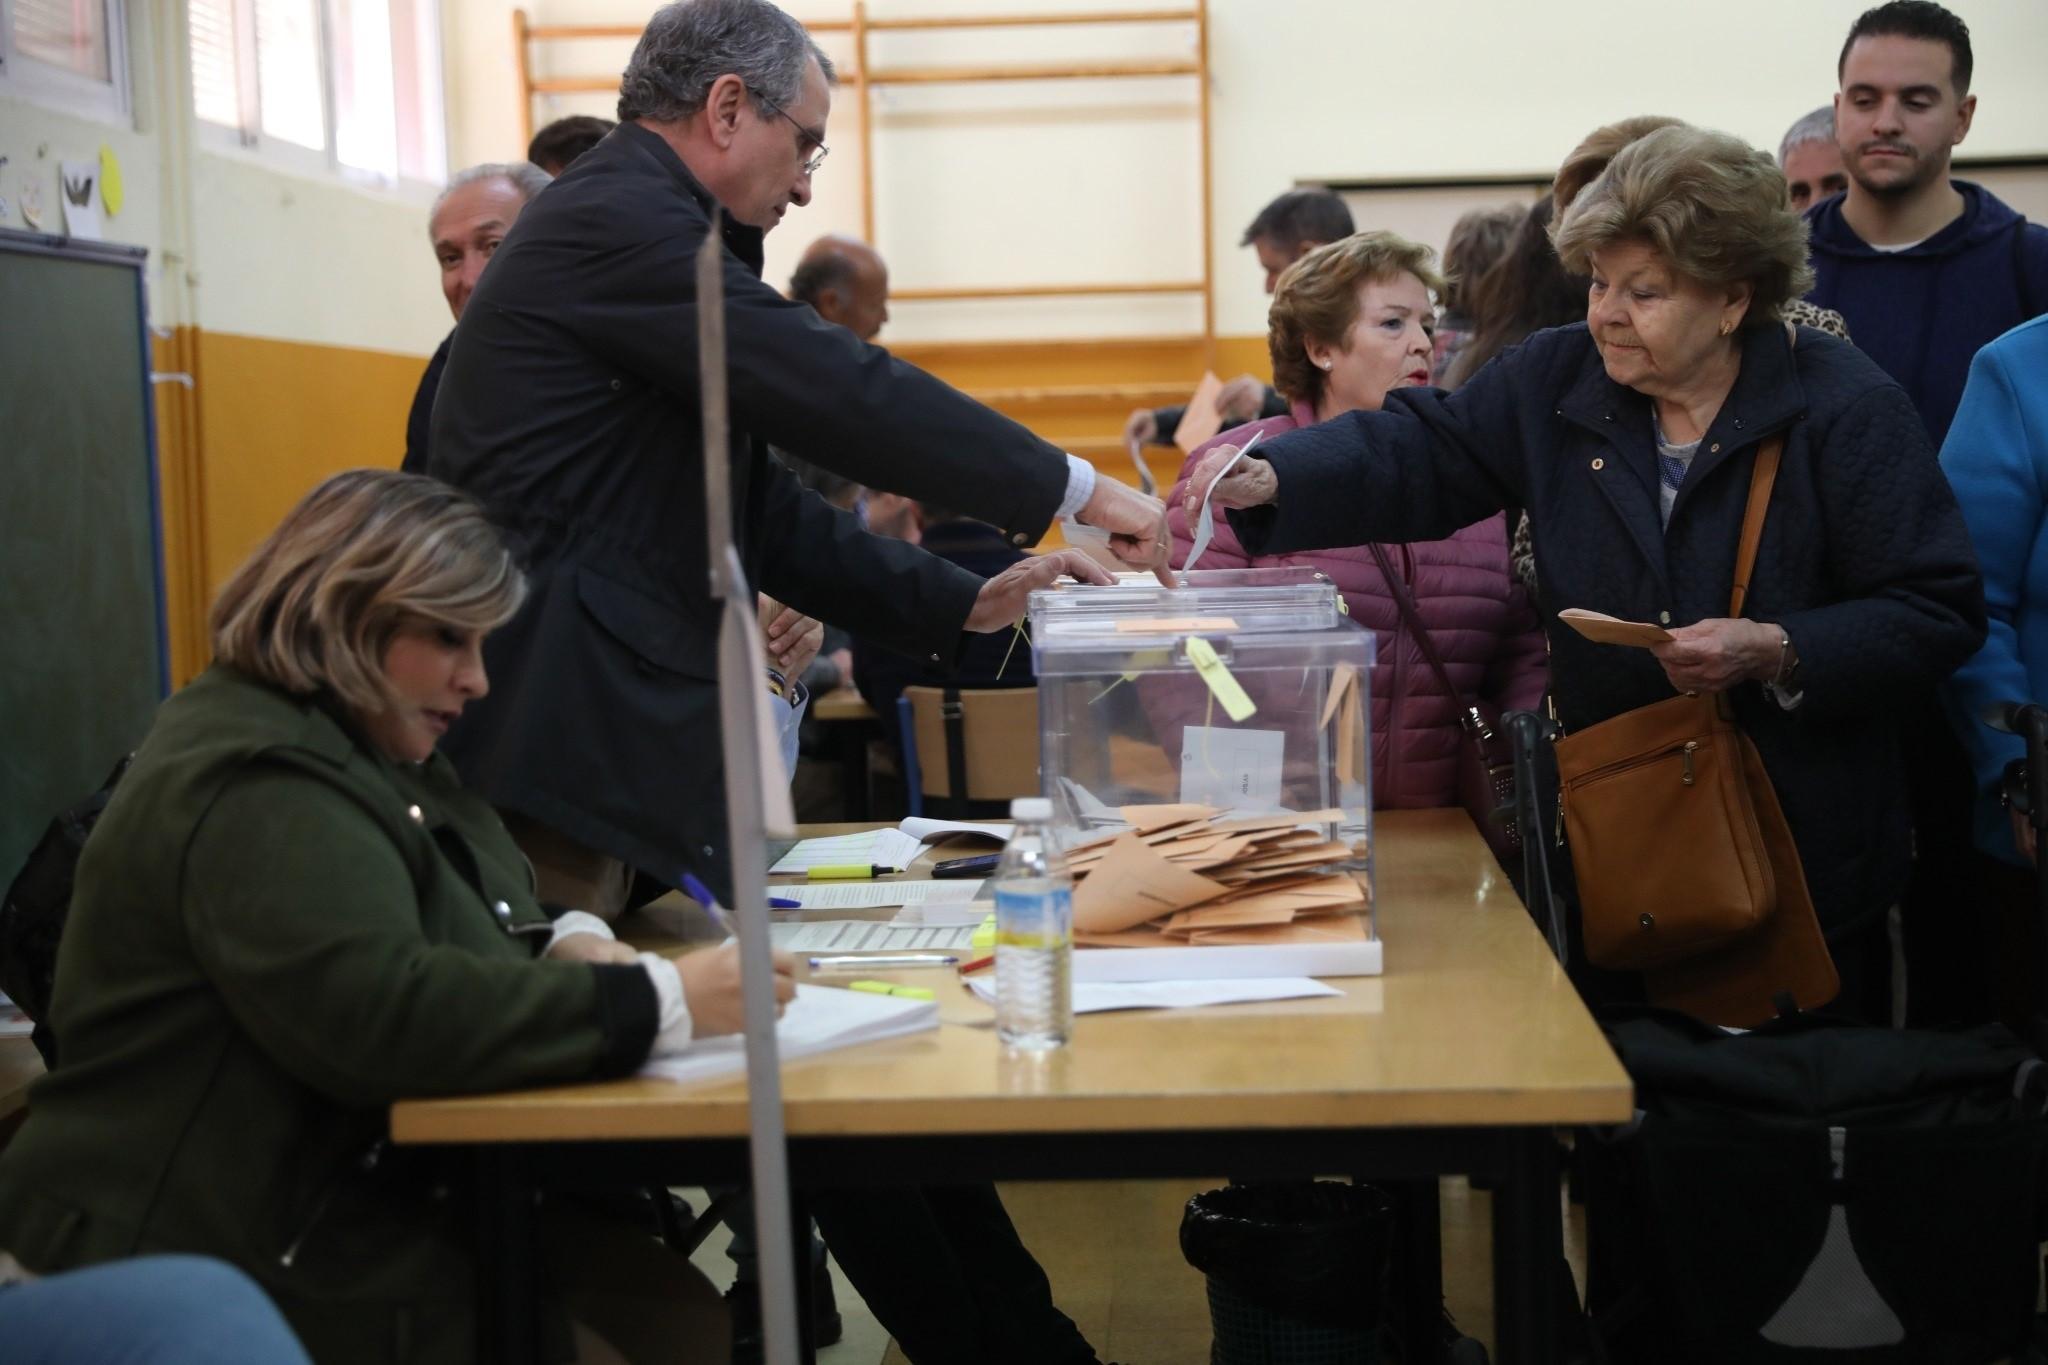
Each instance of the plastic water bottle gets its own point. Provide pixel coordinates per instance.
(1034, 933)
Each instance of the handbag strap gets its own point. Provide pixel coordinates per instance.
(1411, 619)
(1760, 481)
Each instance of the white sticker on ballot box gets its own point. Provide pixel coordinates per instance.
(1233, 769)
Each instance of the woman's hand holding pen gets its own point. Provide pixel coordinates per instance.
(711, 987)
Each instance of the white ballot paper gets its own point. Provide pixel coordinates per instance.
(1205, 525)
(868, 936)
(1230, 768)
(881, 847)
(820, 1019)
(1091, 997)
(869, 895)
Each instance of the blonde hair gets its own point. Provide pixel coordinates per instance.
(1710, 204)
(369, 550)
(1316, 299)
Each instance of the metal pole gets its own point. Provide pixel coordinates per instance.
(739, 693)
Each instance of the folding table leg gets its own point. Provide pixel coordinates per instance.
(1528, 1244)
(1415, 1290)
(508, 1292)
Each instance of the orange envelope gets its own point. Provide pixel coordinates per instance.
(1200, 419)
(1612, 630)
(1337, 929)
(1150, 819)
(1144, 936)
(1132, 885)
(1226, 917)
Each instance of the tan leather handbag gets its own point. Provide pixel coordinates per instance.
(1686, 868)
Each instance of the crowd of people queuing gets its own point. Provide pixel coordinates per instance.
(276, 933)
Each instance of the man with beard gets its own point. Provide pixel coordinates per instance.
(1925, 268)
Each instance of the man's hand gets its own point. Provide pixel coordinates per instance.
(1003, 598)
(1142, 428)
(711, 988)
(1252, 484)
(588, 947)
(1240, 399)
(793, 641)
(1136, 523)
(1716, 654)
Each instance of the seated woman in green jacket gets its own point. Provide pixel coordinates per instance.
(292, 915)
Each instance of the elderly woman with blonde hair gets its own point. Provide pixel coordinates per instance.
(1631, 440)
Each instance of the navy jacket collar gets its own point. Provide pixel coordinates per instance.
(742, 240)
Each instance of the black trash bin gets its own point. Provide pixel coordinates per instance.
(1297, 1270)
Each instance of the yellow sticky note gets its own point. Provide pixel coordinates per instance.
(111, 193)
(984, 936)
(1217, 675)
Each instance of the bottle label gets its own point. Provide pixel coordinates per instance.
(1034, 919)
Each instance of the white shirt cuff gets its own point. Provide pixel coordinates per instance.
(576, 922)
(672, 1033)
(1080, 486)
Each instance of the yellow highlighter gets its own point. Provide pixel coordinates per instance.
(889, 988)
(846, 872)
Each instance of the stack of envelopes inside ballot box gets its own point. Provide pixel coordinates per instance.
(1206, 749)
(1196, 875)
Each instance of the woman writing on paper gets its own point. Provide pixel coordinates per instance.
(1350, 323)
(292, 915)
(1631, 441)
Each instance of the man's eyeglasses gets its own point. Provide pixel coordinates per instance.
(804, 135)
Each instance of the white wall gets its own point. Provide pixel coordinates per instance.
(1014, 183)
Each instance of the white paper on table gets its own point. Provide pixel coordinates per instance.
(1230, 768)
(869, 895)
(867, 936)
(926, 830)
(882, 847)
(820, 1019)
(970, 913)
(1091, 997)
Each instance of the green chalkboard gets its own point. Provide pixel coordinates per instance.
(83, 661)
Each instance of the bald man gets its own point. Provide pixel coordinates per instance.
(846, 281)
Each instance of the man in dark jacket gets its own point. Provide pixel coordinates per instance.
(1924, 268)
(570, 407)
(469, 220)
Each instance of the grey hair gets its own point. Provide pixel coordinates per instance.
(1818, 126)
(688, 45)
(525, 177)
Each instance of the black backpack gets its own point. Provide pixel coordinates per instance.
(38, 902)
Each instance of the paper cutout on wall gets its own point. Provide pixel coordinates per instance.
(112, 194)
(32, 203)
(79, 182)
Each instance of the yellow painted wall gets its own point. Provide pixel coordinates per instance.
(278, 416)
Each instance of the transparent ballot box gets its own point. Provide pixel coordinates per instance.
(1226, 727)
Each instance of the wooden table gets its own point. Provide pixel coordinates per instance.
(1460, 1059)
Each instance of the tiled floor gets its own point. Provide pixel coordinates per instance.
(1112, 1251)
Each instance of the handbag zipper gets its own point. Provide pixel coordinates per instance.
(1683, 751)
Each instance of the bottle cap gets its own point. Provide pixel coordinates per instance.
(1031, 808)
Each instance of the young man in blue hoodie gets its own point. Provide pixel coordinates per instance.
(1925, 269)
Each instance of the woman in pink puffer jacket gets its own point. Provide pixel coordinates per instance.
(1349, 322)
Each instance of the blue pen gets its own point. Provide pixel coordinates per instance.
(701, 894)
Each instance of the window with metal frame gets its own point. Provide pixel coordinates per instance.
(69, 55)
(350, 85)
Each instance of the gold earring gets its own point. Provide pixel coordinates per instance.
(1726, 328)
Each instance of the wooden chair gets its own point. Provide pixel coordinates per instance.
(967, 748)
